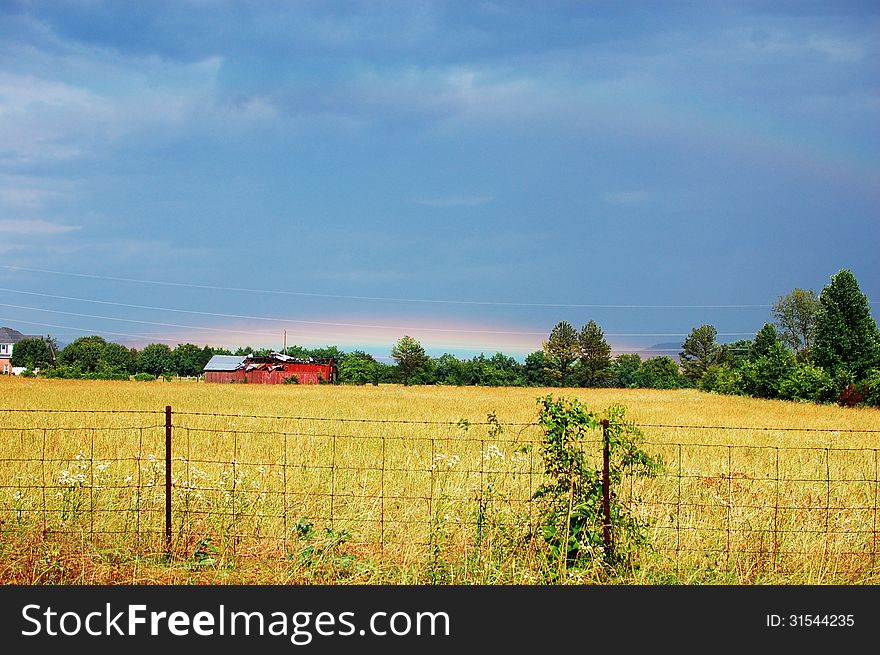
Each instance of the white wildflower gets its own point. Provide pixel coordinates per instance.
(71, 480)
(442, 460)
(493, 452)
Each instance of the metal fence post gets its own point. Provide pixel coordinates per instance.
(168, 480)
(606, 488)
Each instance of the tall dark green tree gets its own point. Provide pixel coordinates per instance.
(766, 338)
(410, 357)
(561, 351)
(700, 351)
(796, 313)
(595, 356)
(847, 340)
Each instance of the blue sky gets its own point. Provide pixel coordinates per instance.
(467, 173)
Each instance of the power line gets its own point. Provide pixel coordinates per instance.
(292, 320)
(267, 318)
(76, 329)
(131, 320)
(154, 338)
(380, 298)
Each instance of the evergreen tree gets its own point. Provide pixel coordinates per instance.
(561, 351)
(410, 357)
(846, 337)
(699, 352)
(765, 339)
(595, 356)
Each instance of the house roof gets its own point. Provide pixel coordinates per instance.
(8, 335)
(225, 363)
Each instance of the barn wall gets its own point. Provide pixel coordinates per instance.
(224, 376)
(305, 373)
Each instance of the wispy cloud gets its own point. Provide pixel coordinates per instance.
(46, 120)
(37, 227)
(834, 48)
(29, 194)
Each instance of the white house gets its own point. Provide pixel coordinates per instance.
(8, 339)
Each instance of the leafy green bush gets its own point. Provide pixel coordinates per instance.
(63, 371)
(572, 513)
(720, 378)
(806, 382)
(872, 388)
(658, 373)
(76, 372)
(144, 377)
(105, 375)
(763, 377)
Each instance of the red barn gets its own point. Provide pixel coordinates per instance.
(270, 369)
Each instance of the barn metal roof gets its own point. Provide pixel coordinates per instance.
(225, 363)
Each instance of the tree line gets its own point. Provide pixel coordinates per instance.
(821, 347)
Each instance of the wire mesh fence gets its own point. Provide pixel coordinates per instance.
(281, 486)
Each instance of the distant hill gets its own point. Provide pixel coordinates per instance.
(669, 348)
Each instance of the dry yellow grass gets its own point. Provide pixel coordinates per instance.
(417, 497)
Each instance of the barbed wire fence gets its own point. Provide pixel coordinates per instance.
(193, 485)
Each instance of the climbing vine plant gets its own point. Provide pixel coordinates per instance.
(579, 528)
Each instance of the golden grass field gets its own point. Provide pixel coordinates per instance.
(380, 484)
